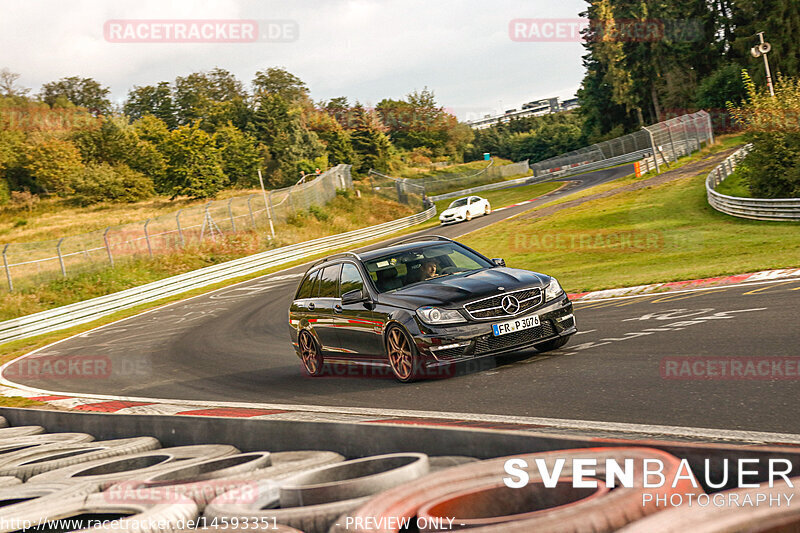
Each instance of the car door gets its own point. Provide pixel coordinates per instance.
(327, 296)
(359, 328)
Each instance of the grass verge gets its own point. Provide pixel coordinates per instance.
(654, 234)
(343, 213)
(734, 185)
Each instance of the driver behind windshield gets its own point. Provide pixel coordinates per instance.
(428, 268)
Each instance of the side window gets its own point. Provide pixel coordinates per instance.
(351, 279)
(304, 291)
(329, 282)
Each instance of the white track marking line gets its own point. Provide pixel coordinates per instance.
(582, 425)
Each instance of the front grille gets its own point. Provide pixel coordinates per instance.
(491, 308)
(490, 343)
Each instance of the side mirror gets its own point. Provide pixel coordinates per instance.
(353, 297)
(499, 262)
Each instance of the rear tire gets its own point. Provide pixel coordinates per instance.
(488, 209)
(310, 354)
(550, 345)
(403, 357)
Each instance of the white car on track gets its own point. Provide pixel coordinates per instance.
(465, 209)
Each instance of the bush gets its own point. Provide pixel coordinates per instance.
(772, 168)
(318, 213)
(102, 182)
(54, 165)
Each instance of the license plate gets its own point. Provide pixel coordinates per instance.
(515, 325)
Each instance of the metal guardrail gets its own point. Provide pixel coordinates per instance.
(82, 312)
(489, 187)
(752, 208)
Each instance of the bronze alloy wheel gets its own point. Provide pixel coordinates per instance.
(310, 354)
(402, 358)
(488, 210)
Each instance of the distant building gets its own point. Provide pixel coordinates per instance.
(534, 108)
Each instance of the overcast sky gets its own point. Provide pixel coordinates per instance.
(363, 49)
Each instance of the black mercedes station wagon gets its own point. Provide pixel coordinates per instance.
(423, 304)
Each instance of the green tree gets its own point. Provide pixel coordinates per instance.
(240, 155)
(280, 126)
(82, 92)
(117, 142)
(215, 97)
(280, 82)
(194, 164)
(152, 100)
(8, 84)
(369, 141)
(54, 166)
(102, 182)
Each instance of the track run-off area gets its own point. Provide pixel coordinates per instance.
(629, 364)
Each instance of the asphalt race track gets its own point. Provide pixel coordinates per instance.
(627, 364)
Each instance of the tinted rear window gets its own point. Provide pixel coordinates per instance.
(304, 291)
(329, 282)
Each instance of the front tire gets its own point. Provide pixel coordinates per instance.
(550, 345)
(310, 354)
(468, 216)
(403, 357)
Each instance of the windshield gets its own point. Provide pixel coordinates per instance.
(428, 262)
(459, 202)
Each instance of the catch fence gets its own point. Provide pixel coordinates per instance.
(35, 262)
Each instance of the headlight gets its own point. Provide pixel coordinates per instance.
(554, 290)
(434, 315)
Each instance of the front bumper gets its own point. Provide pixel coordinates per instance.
(447, 345)
(451, 219)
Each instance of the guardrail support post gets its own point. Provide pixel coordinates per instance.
(180, 231)
(108, 248)
(269, 212)
(147, 238)
(230, 215)
(61, 257)
(655, 152)
(8, 270)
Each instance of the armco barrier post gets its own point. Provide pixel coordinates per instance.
(108, 248)
(8, 270)
(61, 257)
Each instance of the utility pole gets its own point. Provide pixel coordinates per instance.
(762, 49)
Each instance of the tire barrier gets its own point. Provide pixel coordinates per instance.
(496, 503)
(30, 462)
(19, 431)
(24, 503)
(713, 518)
(7, 481)
(19, 443)
(312, 501)
(607, 512)
(201, 481)
(125, 515)
(106, 472)
(442, 462)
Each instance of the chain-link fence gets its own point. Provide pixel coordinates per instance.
(34, 262)
(669, 140)
(445, 182)
(404, 191)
